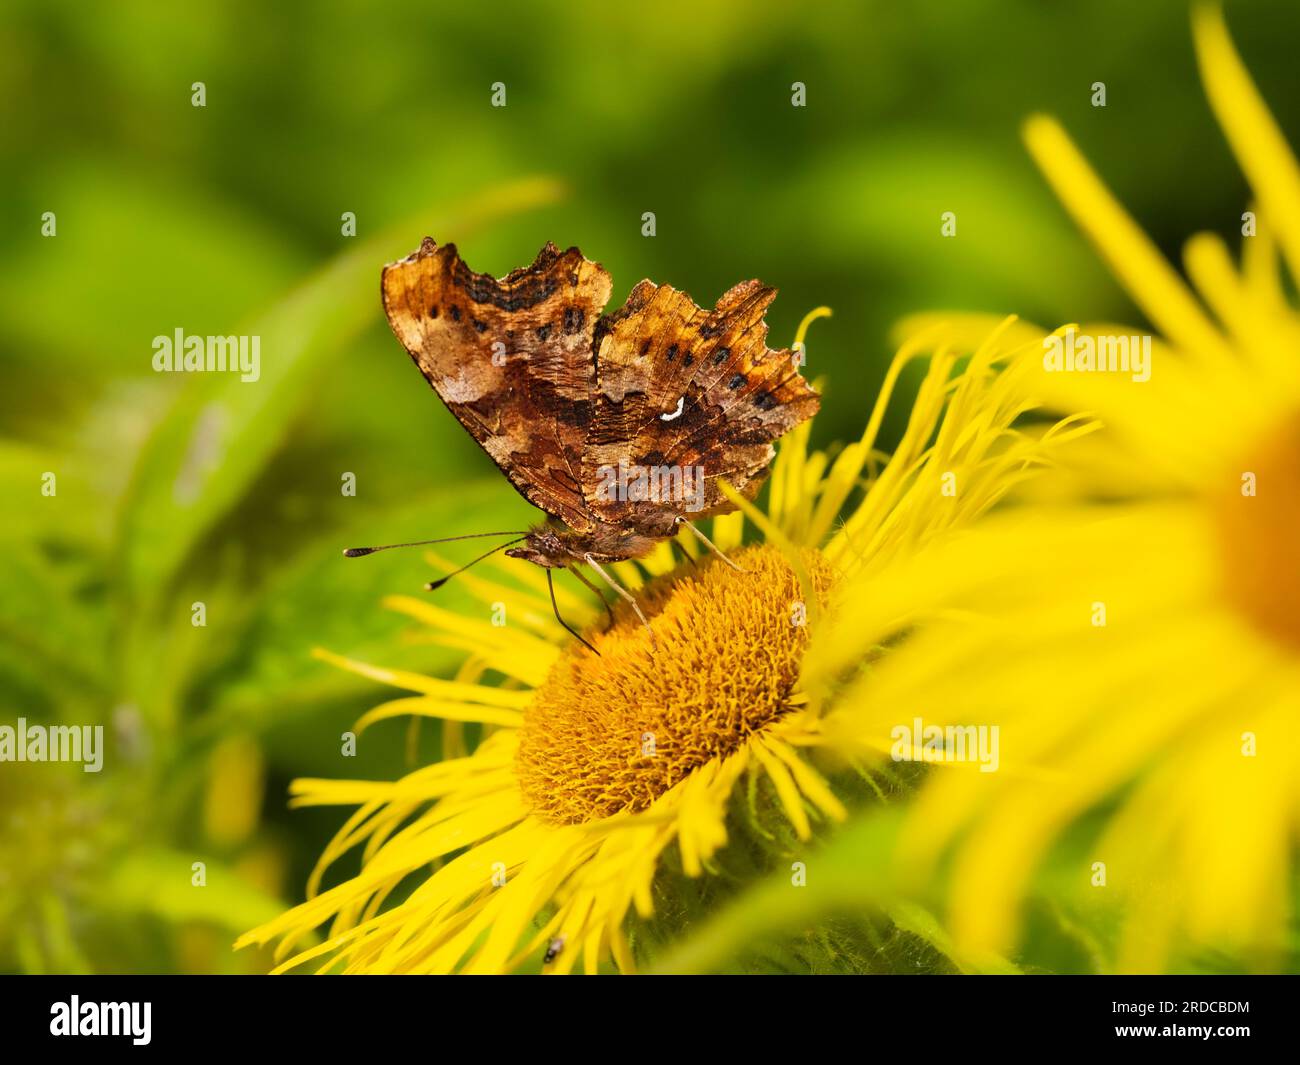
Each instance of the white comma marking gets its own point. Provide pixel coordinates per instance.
(681, 403)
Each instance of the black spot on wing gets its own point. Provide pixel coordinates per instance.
(574, 317)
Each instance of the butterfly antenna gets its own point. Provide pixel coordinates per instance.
(550, 587)
(357, 552)
(433, 586)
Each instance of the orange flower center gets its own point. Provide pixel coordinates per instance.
(612, 733)
(1260, 535)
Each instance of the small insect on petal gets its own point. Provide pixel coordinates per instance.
(553, 950)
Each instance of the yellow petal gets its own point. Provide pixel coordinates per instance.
(1258, 144)
(1133, 259)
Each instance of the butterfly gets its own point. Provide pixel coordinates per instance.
(621, 426)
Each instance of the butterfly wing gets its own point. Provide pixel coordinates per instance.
(681, 387)
(511, 358)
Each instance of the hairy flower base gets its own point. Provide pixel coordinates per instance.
(610, 734)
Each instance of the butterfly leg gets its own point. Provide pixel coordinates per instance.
(624, 593)
(710, 545)
(550, 587)
(599, 594)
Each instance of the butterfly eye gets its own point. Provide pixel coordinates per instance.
(681, 403)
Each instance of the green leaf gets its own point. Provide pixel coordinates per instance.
(47, 634)
(849, 875)
(135, 243)
(325, 600)
(158, 883)
(68, 515)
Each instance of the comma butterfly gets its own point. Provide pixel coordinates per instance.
(620, 426)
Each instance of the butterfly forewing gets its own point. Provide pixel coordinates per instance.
(511, 358)
(681, 388)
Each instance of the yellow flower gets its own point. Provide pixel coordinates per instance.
(541, 842)
(1137, 638)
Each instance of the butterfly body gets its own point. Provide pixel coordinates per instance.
(619, 427)
(554, 547)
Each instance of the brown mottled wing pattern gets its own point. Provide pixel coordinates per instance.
(511, 358)
(677, 385)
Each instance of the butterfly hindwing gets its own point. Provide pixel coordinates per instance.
(682, 388)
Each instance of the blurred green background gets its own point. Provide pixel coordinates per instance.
(176, 489)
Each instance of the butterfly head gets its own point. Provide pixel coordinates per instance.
(545, 546)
